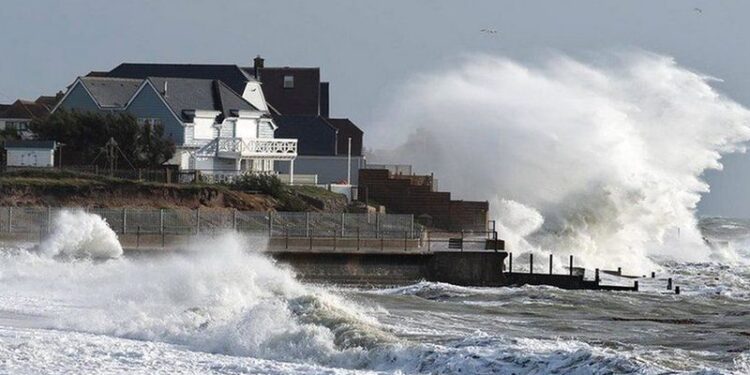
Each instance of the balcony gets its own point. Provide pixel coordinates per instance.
(262, 148)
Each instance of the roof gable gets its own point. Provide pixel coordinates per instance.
(111, 92)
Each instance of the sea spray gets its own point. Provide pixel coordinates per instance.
(219, 295)
(76, 234)
(608, 153)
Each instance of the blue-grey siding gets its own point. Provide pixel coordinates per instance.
(148, 104)
(78, 99)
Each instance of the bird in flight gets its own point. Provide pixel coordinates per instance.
(698, 10)
(489, 31)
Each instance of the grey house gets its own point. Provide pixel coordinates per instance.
(215, 129)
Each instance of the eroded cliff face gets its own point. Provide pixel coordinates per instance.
(130, 195)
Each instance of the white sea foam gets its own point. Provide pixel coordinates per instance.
(602, 159)
(76, 233)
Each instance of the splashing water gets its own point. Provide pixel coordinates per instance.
(76, 233)
(602, 160)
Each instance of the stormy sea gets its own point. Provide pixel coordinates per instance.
(76, 304)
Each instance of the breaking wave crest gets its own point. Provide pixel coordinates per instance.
(76, 234)
(599, 159)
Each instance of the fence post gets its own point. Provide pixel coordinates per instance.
(429, 241)
(310, 236)
(270, 224)
(307, 224)
(49, 218)
(197, 221)
(406, 240)
(411, 226)
(343, 221)
(377, 224)
(124, 220)
(462, 240)
(161, 221)
(286, 244)
(334, 240)
(357, 238)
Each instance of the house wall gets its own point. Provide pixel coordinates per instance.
(30, 157)
(330, 169)
(246, 128)
(78, 99)
(148, 104)
(203, 128)
(254, 94)
(265, 130)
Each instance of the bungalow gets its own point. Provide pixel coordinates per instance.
(216, 131)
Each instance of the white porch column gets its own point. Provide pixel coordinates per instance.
(291, 172)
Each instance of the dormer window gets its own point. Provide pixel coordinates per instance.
(288, 82)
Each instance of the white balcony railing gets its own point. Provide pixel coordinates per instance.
(262, 148)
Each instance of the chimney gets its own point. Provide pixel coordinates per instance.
(165, 88)
(258, 64)
(324, 100)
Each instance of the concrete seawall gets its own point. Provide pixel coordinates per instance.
(459, 268)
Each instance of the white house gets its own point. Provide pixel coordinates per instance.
(215, 129)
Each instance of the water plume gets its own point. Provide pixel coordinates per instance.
(78, 234)
(600, 159)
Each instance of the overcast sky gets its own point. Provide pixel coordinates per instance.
(366, 50)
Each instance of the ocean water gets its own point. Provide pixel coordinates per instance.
(76, 305)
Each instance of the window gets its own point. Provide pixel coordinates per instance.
(149, 120)
(288, 82)
(20, 126)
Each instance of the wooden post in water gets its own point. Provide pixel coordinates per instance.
(677, 290)
(653, 275)
(550, 264)
(619, 271)
(669, 283)
(571, 265)
(596, 276)
(531, 263)
(635, 285)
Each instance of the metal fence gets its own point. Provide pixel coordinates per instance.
(207, 221)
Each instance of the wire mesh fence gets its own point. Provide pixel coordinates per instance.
(215, 220)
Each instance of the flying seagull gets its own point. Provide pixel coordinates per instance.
(489, 31)
(698, 10)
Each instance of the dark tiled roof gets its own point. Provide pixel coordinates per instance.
(111, 92)
(347, 129)
(303, 99)
(3, 108)
(231, 75)
(24, 109)
(47, 145)
(315, 136)
(185, 94)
